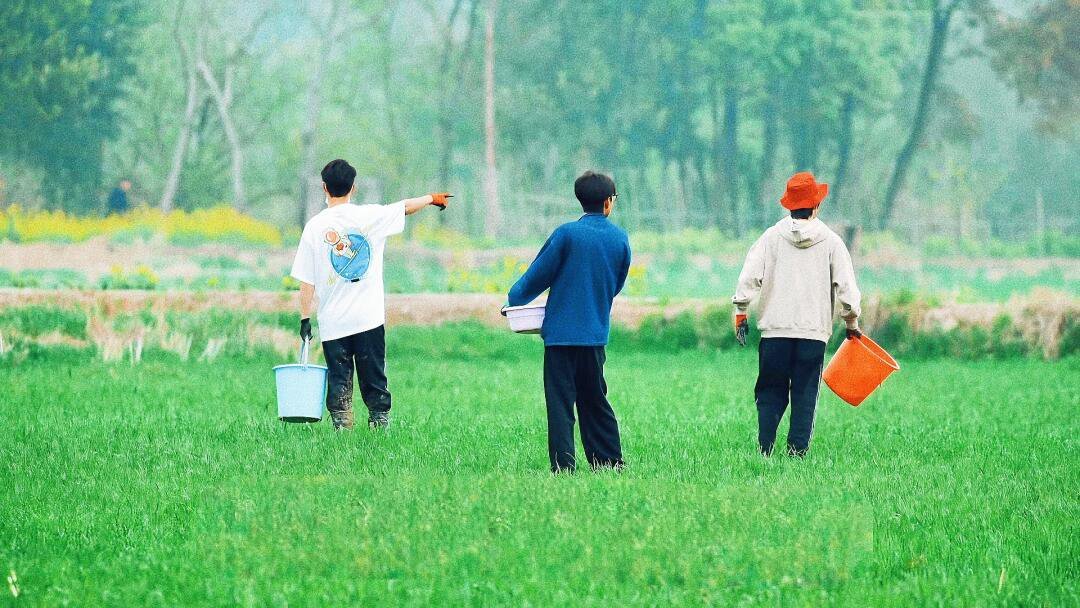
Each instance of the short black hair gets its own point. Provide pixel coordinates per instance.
(802, 214)
(338, 176)
(592, 189)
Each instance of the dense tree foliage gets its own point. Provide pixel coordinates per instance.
(922, 114)
(62, 66)
(1039, 52)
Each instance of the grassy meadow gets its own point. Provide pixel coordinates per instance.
(171, 482)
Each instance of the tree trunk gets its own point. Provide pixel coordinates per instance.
(804, 144)
(172, 181)
(1040, 223)
(446, 151)
(716, 151)
(444, 125)
(843, 148)
(708, 219)
(938, 38)
(239, 194)
(730, 156)
(223, 100)
(492, 218)
(308, 203)
(308, 182)
(685, 192)
(768, 158)
(399, 151)
(851, 238)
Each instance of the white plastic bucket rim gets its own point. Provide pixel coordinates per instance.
(527, 319)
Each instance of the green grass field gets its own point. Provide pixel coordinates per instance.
(172, 483)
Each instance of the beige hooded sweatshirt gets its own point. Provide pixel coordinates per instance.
(799, 269)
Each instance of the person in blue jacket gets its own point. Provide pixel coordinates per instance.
(584, 264)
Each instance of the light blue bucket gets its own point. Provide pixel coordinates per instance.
(301, 389)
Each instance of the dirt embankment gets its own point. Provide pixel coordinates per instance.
(401, 309)
(1041, 323)
(436, 308)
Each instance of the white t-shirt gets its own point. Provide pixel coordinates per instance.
(341, 254)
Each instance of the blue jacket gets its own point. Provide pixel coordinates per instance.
(584, 263)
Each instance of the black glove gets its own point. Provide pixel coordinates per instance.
(741, 330)
(853, 334)
(305, 329)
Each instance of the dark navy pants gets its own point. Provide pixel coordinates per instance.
(788, 368)
(575, 374)
(366, 353)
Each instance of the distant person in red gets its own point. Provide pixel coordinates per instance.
(798, 270)
(118, 198)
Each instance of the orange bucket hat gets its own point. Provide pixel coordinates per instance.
(803, 192)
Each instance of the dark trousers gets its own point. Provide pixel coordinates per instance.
(788, 366)
(575, 374)
(366, 352)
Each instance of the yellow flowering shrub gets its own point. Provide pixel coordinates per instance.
(494, 279)
(141, 278)
(289, 284)
(440, 237)
(637, 284)
(219, 225)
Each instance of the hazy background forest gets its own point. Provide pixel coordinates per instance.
(952, 120)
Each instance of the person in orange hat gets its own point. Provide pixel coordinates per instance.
(797, 271)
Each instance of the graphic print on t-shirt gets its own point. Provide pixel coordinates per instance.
(350, 253)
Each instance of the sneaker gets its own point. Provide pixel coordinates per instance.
(795, 452)
(343, 421)
(608, 465)
(379, 420)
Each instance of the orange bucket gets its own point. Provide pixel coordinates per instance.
(857, 369)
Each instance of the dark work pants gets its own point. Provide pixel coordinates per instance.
(366, 352)
(575, 374)
(788, 366)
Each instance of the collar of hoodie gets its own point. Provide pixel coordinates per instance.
(802, 233)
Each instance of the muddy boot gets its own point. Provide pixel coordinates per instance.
(343, 420)
(379, 420)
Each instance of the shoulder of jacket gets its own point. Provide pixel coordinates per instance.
(563, 228)
(561, 232)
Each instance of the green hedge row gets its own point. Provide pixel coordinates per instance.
(893, 328)
(712, 329)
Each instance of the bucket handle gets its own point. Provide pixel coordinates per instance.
(304, 352)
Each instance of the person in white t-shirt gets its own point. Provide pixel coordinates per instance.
(339, 263)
